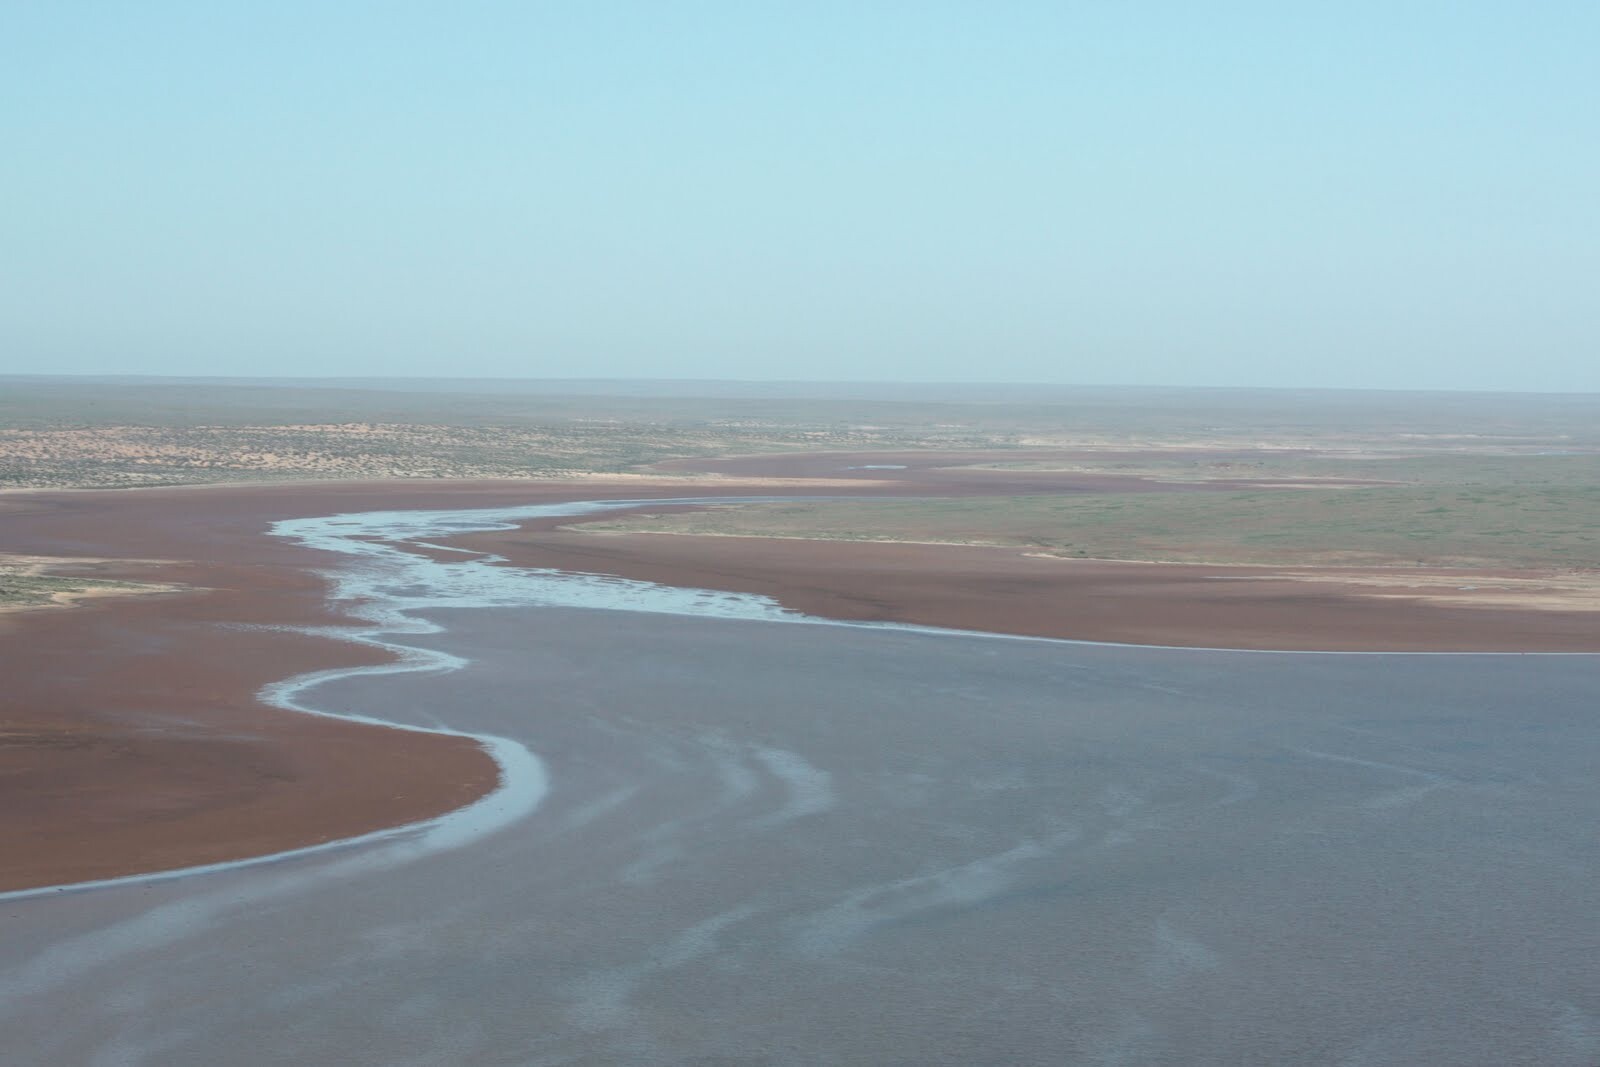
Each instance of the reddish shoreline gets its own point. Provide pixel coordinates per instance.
(1006, 590)
(131, 739)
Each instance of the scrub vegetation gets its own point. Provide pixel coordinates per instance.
(1540, 518)
(22, 586)
(69, 433)
(1445, 479)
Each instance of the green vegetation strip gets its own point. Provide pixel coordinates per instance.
(1394, 465)
(1478, 526)
(22, 590)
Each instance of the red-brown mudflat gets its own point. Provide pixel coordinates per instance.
(1006, 590)
(131, 739)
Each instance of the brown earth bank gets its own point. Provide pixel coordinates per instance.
(1006, 590)
(131, 739)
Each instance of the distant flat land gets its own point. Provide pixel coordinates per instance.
(71, 433)
(75, 432)
(1450, 481)
(1544, 518)
(1485, 527)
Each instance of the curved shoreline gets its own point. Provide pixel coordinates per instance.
(594, 589)
(522, 780)
(374, 593)
(1013, 592)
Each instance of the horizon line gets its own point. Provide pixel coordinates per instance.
(268, 380)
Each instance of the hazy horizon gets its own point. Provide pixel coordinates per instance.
(685, 387)
(681, 383)
(1230, 196)
(979, 391)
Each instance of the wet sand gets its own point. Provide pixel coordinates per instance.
(131, 738)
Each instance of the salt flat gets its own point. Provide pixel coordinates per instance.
(777, 843)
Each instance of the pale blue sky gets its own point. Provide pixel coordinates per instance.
(1383, 195)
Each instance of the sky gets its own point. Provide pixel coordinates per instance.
(1360, 195)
